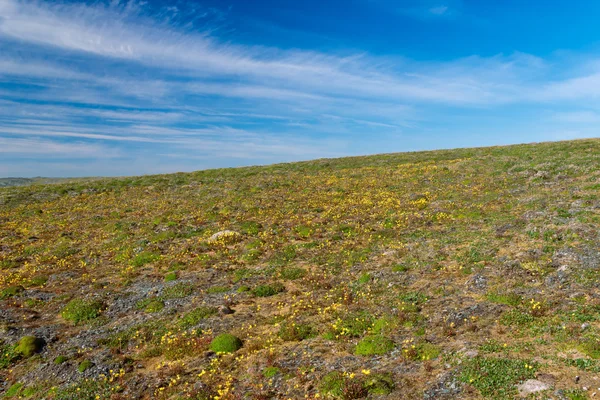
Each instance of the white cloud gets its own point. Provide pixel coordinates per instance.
(114, 75)
(265, 72)
(37, 147)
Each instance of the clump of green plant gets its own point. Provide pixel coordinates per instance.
(400, 268)
(31, 391)
(13, 390)
(293, 332)
(38, 280)
(8, 264)
(243, 289)
(177, 291)
(292, 273)
(217, 289)
(85, 365)
(303, 231)
(270, 372)
(516, 318)
(29, 345)
(8, 355)
(491, 346)
(242, 273)
(413, 298)
(268, 290)
(33, 303)
(193, 317)
(144, 258)
(351, 326)
(364, 279)
(151, 352)
(181, 345)
(381, 383)
(11, 291)
(511, 299)
(284, 256)
(60, 360)
(87, 389)
(590, 346)
(420, 351)
(496, 377)
(250, 227)
(171, 276)
(339, 385)
(334, 385)
(374, 344)
(384, 325)
(82, 310)
(226, 343)
(428, 351)
(151, 305)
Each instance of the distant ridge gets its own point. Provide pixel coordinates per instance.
(7, 182)
(4, 182)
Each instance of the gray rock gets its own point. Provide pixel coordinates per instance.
(447, 387)
(477, 283)
(585, 325)
(460, 317)
(531, 386)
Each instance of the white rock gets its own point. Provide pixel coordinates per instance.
(531, 386)
(226, 236)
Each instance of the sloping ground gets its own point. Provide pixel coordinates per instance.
(436, 275)
(7, 182)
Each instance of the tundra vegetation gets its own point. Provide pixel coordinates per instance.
(437, 275)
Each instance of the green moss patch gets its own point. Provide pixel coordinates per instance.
(85, 365)
(374, 344)
(29, 345)
(226, 343)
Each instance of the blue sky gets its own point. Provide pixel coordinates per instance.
(139, 87)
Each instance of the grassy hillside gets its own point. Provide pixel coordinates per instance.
(6, 182)
(435, 275)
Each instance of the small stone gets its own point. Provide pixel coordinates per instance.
(584, 326)
(224, 310)
(531, 386)
(577, 379)
(471, 353)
